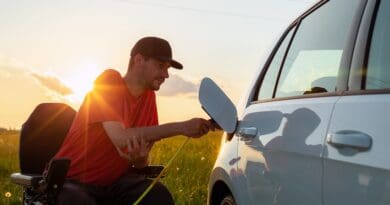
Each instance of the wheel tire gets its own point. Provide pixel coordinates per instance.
(228, 200)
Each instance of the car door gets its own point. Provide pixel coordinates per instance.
(283, 128)
(356, 164)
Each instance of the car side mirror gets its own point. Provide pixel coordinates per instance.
(217, 105)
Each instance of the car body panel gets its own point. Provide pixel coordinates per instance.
(283, 162)
(320, 148)
(225, 168)
(359, 177)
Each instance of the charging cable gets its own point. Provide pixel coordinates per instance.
(161, 173)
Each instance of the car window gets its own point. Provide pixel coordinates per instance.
(268, 84)
(314, 57)
(378, 68)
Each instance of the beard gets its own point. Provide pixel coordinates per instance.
(156, 84)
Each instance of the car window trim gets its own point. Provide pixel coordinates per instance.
(367, 92)
(295, 23)
(284, 59)
(368, 49)
(270, 59)
(345, 63)
(361, 50)
(314, 95)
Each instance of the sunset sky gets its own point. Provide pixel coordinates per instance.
(51, 50)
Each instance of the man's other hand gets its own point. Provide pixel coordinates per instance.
(137, 151)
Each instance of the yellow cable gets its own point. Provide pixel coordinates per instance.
(161, 173)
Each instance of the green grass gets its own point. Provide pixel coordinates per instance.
(189, 174)
(187, 178)
(9, 162)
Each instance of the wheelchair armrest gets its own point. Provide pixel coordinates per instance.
(26, 180)
(56, 174)
(51, 180)
(151, 171)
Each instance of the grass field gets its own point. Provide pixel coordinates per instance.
(187, 178)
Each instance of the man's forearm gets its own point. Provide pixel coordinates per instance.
(194, 127)
(119, 135)
(155, 133)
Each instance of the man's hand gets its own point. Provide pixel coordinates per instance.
(196, 127)
(137, 151)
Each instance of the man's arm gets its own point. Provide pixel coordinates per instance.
(195, 128)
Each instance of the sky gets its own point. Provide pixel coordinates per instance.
(52, 50)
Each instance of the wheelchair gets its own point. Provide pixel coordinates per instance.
(43, 133)
(40, 138)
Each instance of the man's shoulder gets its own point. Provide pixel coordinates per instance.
(109, 77)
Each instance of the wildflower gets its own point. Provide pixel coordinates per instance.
(8, 194)
(203, 158)
(177, 168)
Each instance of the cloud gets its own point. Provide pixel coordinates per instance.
(11, 68)
(53, 84)
(21, 91)
(175, 85)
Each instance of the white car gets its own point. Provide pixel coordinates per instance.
(314, 128)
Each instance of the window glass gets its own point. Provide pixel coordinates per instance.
(378, 68)
(313, 60)
(268, 84)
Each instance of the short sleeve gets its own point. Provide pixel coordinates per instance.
(106, 101)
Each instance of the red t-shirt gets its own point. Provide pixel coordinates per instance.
(94, 158)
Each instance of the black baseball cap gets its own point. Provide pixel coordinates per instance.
(157, 48)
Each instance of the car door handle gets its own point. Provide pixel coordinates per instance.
(349, 138)
(247, 132)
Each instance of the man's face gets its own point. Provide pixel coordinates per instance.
(154, 73)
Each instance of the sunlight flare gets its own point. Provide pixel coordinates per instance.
(82, 81)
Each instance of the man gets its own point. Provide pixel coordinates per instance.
(115, 129)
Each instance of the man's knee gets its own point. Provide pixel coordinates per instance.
(74, 194)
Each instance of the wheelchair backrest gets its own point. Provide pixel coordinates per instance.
(42, 135)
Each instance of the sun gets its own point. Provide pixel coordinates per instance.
(82, 82)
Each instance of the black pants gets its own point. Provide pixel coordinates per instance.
(125, 191)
